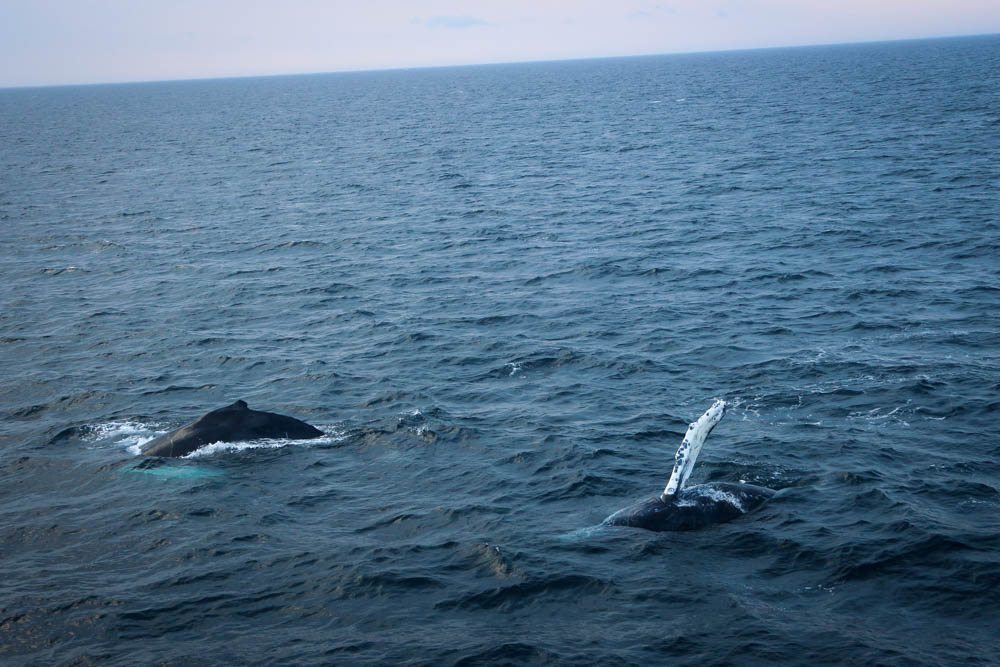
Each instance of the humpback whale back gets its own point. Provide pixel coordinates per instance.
(692, 508)
(233, 423)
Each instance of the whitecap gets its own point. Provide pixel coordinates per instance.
(879, 416)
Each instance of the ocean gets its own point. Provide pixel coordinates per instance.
(502, 292)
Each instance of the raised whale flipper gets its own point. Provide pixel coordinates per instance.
(698, 506)
(687, 453)
(232, 423)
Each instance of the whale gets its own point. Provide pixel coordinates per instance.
(682, 507)
(233, 423)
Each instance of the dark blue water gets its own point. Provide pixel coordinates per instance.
(503, 292)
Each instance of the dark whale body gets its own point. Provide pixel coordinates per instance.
(233, 423)
(693, 508)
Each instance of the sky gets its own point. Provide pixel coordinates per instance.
(45, 42)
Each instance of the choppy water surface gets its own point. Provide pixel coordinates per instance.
(503, 292)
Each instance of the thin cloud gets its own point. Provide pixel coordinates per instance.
(455, 22)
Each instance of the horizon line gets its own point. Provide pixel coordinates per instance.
(403, 68)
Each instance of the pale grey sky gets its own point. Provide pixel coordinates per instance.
(86, 41)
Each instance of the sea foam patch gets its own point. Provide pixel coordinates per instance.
(717, 495)
(331, 436)
(125, 434)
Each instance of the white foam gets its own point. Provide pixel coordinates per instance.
(329, 437)
(135, 448)
(878, 416)
(820, 587)
(127, 434)
(116, 430)
(716, 494)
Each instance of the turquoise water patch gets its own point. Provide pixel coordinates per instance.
(173, 470)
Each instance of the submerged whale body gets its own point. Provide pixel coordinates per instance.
(233, 423)
(679, 508)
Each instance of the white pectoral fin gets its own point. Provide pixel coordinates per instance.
(687, 453)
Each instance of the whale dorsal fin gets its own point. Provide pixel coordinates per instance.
(687, 453)
(238, 405)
